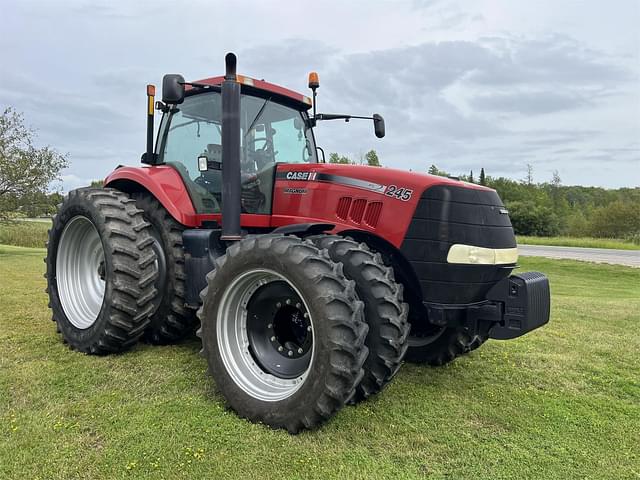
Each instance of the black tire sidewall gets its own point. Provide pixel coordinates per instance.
(74, 206)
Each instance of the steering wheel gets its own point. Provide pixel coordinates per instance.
(268, 144)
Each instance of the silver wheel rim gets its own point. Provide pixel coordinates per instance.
(81, 285)
(233, 341)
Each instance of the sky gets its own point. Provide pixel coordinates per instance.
(464, 85)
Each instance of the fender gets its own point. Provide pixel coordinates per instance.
(164, 183)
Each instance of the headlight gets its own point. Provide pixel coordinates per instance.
(472, 255)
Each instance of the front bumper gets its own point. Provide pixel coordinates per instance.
(513, 307)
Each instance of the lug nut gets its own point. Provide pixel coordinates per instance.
(290, 353)
(300, 351)
(306, 315)
(273, 339)
(298, 306)
(288, 301)
(309, 328)
(278, 304)
(280, 349)
(270, 326)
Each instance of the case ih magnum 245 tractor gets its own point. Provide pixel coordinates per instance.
(312, 282)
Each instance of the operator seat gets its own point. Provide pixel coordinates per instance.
(202, 199)
(212, 179)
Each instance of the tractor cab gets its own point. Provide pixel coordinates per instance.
(273, 130)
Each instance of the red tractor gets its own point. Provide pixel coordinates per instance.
(312, 281)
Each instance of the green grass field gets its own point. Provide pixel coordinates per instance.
(579, 242)
(562, 402)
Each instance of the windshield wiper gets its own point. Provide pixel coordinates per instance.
(258, 115)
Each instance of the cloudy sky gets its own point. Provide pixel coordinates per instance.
(497, 84)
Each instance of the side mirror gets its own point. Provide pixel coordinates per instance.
(378, 125)
(172, 89)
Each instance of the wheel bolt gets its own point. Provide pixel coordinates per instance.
(290, 353)
(280, 349)
(300, 351)
(273, 339)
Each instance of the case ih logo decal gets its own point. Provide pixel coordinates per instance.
(301, 175)
(400, 193)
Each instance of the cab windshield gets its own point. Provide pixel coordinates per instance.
(271, 133)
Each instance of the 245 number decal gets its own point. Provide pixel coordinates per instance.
(400, 193)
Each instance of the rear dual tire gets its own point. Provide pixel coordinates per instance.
(101, 270)
(172, 320)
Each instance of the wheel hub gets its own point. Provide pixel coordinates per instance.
(265, 335)
(290, 330)
(278, 330)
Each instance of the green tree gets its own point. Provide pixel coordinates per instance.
(97, 183)
(25, 170)
(577, 225)
(619, 219)
(483, 179)
(529, 218)
(39, 204)
(335, 158)
(470, 179)
(434, 170)
(372, 158)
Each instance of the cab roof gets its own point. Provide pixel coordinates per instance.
(262, 88)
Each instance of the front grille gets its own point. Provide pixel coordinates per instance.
(446, 215)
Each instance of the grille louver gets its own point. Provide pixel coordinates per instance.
(372, 214)
(344, 204)
(359, 211)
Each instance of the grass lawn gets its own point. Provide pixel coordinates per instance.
(579, 242)
(562, 402)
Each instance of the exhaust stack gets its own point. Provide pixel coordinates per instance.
(230, 152)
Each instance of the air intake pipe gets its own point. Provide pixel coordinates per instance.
(230, 152)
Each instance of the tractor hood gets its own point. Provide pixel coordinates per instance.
(377, 199)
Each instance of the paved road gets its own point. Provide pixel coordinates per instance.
(630, 258)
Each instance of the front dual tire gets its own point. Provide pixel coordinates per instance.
(301, 359)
